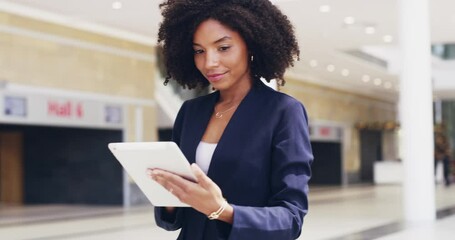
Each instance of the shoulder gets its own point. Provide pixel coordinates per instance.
(279, 100)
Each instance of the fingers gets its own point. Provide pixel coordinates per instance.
(203, 179)
(172, 182)
(171, 187)
(162, 181)
(204, 195)
(173, 178)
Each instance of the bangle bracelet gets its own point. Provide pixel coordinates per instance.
(217, 213)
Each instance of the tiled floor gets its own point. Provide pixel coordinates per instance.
(364, 212)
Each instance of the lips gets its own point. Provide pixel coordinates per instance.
(215, 77)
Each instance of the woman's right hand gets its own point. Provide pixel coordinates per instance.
(203, 195)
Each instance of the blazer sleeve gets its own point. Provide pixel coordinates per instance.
(292, 156)
(163, 219)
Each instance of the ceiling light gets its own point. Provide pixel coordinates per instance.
(366, 78)
(370, 30)
(324, 8)
(349, 20)
(387, 38)
(116, 5)
(387, 85)
(377, 81)
(330, 68)
(345, 72)
(313, 63)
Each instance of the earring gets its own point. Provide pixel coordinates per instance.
(252, 58)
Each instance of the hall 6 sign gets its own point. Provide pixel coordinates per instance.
(65, 109)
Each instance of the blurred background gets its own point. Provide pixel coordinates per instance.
(76, 75)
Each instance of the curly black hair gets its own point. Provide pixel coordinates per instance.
(268, 34)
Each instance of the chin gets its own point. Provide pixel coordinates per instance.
(220, 86)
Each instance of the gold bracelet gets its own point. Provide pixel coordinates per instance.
(217, 213)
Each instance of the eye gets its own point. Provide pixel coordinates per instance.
(198, 51)
(224, 48)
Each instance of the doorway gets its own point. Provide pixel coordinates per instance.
(370, 152)
(327, 165)
(11, 168)
(59, 165)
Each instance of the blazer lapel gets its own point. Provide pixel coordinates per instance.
(231, 140)
(201, 119)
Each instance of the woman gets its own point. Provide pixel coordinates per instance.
(250, 143)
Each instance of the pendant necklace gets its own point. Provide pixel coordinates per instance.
(220, 114)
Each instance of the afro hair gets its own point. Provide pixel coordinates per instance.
(268, 33)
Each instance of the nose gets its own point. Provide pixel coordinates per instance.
(212, 60)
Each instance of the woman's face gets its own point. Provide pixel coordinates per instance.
(221, 55)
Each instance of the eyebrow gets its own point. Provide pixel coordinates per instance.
(217, 41)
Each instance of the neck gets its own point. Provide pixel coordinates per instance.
(236, 93)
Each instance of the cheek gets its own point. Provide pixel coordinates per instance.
(198, 62)
(240, 64)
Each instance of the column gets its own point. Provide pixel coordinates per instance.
(416, 112)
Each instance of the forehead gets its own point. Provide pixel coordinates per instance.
(211, 30)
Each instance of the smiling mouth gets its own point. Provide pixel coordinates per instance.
(215, 77)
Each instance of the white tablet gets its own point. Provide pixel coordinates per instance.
(137, 157)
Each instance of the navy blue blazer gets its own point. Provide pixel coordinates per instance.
(261, 163)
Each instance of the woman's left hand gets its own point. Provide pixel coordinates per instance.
(204, 195)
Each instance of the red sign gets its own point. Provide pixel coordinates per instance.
(325, 131)
(66, 109)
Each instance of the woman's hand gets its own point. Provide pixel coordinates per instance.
(204, 195)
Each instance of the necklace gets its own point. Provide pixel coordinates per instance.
(220, 113)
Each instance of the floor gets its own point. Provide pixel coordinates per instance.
(361, 212)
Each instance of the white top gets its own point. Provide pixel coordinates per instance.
(204, 153)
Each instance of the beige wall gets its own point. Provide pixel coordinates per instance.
(147, 124)
(48, 55)
(343, 108)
